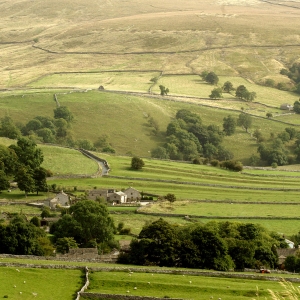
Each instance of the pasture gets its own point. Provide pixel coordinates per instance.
(179, 286)
(39, 283)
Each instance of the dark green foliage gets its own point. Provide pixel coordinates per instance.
(274, 153)
(170, 197)
(215, 163)
(137, 163)
(63, 245)
(21, 237)
(293, 72)
(9, 129)
(45, 212)
(63, 112)
(4, 182)
(284, 136)
(27, 153)
(87, 222)
(85, 144)
(292, 132)
(228, 87)
(244, 94)
(210, 250)
(269, 115)
(163, 90)
(297, 107)
(39, 176)
(216, 93)
(245, 121)
(160, 152)
(161, 242)
(236, 166)
(216, 245)
(35, 221)
(188, 138)
(24, 178)
(269, 82)
(258, 135)
(212, 78)
(229, 125)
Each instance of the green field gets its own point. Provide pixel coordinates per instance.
(179, 286)
(29, 283)
(36, 283)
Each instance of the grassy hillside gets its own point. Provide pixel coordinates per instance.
(124, 118)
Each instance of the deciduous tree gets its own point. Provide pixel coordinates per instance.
(229, 125)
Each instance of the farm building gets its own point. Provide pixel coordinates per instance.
(110, 195)
(133, 194)
(286, 106)
(60, 200)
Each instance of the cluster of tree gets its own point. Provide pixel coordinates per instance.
(231, 165)
(21, 237)
(280, 150)
(219, 246)
(241, 91)
(23, 163)
(40, 128)
(188, 138)
(52, 130)
(210, 77)
(294, 74)
(89, 224)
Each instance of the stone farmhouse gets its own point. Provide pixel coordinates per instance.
(110, 195)
(113, 196)
(133, 194)
(60, 200)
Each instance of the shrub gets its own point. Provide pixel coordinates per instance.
(125, 231)
(215, 163)
(274, 165)
(137, 163)
(232, 165)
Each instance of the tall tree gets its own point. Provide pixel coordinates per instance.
(228, 87)
(40, 182)
(245, 121)
(27, 153)
(24, 178)
(216, 93)
(212, 78)
(88, 222)
(229, 124)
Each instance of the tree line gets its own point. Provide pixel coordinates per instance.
(215, 245)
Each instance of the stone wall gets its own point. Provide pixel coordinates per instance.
(121, 297)
(106, 258)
